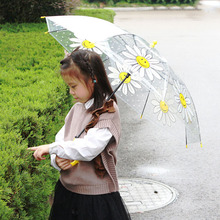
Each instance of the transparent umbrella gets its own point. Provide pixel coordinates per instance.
(151, 88)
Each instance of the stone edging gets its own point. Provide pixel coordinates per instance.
(150, 8)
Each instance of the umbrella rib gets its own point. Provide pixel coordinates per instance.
(63, 29)
(186, 137)
(134, 40)
(120, 36)
(145, 104)
(106, 56)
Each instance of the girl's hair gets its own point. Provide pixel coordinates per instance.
(88, 64)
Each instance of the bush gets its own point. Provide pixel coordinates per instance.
(34, 102)
(31, 10)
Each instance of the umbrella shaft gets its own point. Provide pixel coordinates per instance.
(80, 133)
(128, 74)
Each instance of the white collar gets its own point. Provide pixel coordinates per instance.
(89, 103)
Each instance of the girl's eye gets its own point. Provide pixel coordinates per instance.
(73, 87)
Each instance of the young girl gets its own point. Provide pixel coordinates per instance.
(87, 190)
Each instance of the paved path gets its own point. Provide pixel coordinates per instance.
(190, 41)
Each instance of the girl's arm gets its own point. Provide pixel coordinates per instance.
(43, 149)
(84, 149)
(40, 151)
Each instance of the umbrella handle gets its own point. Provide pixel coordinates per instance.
(74, 162)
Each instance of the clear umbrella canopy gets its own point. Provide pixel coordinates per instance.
(86, 32)
(152, 89)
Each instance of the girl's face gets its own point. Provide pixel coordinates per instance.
(78, 88)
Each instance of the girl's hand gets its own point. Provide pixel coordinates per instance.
(63, 164)
(40, 151)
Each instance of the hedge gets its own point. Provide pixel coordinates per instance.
(34, 102)
(29, 10)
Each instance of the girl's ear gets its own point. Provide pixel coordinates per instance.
(91, 83)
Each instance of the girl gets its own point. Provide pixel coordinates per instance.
(87, 190)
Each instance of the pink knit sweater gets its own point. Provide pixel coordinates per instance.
(82, 178)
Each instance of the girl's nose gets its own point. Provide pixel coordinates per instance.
(71, 92)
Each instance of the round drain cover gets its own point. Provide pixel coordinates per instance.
(141, 195)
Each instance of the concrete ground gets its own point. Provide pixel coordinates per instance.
(190, 41)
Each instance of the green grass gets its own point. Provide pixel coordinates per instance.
(104, 14)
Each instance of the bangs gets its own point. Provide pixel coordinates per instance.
(71, 72)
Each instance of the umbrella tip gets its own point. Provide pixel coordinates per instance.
(46, 32)
(153, 44)
(43, 17)
(201, 144)
(186, 146)
(141, 116)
